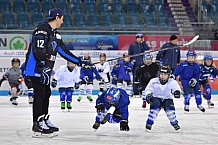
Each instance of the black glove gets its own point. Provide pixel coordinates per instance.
(54, 83)
(101, 70)
(124, 125)
(45, 76)
(128, 69)
(2, 80)
(100, 108)
(177, 94)
(86, 79)
(76, 86)
(192, 82)
(149, 98)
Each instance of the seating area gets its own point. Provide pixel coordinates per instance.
(129, 15)
(209, 11)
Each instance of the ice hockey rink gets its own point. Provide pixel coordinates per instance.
(197, 128)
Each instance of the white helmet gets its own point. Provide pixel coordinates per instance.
(200, 57)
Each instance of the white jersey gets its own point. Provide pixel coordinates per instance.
(65, 78)
(161, 91)
(106, 68)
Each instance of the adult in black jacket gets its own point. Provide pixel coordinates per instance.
(145, 73)
(170, 57)
(40, 60)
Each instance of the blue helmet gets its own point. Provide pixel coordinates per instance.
(112, 96)
(148, 56)
(208, 57)
(191, 53)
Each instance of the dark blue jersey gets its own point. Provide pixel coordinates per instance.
(45, 44)
(122, 104)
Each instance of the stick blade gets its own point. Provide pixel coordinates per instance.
(192, 41)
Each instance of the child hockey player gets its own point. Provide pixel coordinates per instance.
(189, 74)
(114, 75)
(117, 98)
(103, 69)
(14, 77)
(87, 77)
(159, 94)
(145, 73)
(28, 84)
(207, 71)
(67, 79)
(124, 72)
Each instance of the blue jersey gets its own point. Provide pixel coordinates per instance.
(207, 71)
(122, 104)
(122, 72)
(187, 71)
(89, 71)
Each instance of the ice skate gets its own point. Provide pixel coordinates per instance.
(144, 104)
(50, 124)
(96, 125)
(40, 129)
(14, 101)
(176, 127)
(69, 107)
(62, 106)
(148, 127)
(79, 98)
(210, 104)
(200, 107)
(90, 98)
(105, 119)
(186, 108)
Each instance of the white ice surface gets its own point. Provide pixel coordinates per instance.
(197, 128)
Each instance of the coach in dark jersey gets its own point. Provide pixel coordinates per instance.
(40, 59)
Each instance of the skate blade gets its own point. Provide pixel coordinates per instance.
(42, 135)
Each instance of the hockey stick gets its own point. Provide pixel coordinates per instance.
(149, 51)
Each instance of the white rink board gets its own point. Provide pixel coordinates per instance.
(197, 128)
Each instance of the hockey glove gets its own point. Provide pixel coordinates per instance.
(76, 86)
(100, 108)
(149, 98)
(192, 82)
(86, 79)
(124, 125)
(45, 76)
(54, 83)
(128, 70)
(101, 70)
(177, 94)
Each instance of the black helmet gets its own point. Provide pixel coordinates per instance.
(15, 60)
(166, 70)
